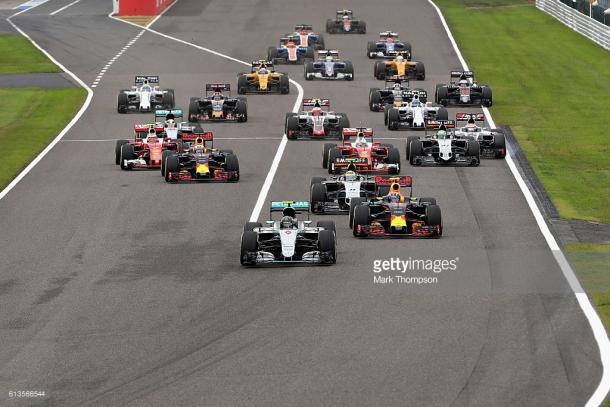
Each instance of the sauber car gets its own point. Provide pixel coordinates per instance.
(316, 122)
(395, 86)
(263, 79)
(307, 37)
(290, 52)
(345, 23)
(363, 153)
(388, 47)
(491, 141)
(217, 106)
(399, 66)
(145, 96)
(288, 240)
(442, 147)
(463, 90)
(397, 214)
(201, 163)
(412, 114)
(329, 66)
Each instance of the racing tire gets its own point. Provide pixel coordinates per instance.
(442, 114)
(371, 48)
(349, 69)
(343, 122)
(308, 70)
(232, 164)
(330, 26)
(386, 110)
(326, 153)
(473, 150)
(362, 217)
(193, 110)
(284, 85)
(393, 119)
(431, 201)
(393, 158)
(272, 54)
(127, 153)
(316, 180)
(172, 164)
(164, 155)
(416, 150)
(408, 47)
(320, 44)
(408, 145)
(249, 243)
(242, 85)
(310, 53)
(500, 145)
(117, 151)
(292, 124)
(327, 244)
(486, 97)
(327, 225)
(420, 71)
(442, 94)
(168, 100)
(317, 194)
(333, 154)
(241, 108)
(379, 70)
(434, 218)
(362, 29)
(374, 98)
(353, 204)
(249, 226)
(122, 103)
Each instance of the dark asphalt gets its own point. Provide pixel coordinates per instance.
(118, 289)
(37, 80)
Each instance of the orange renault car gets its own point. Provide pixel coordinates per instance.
(401, 67)
(263, 79)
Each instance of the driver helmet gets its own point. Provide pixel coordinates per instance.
(328, 58)
(397, 86)
(263, 71)
(170, 123)
(217, 95)
(471, 127)
(463, 82)
(316, 111)
(361, 142)
(351, 176)
(400, 59)
(288, 222)
(389, 39)
(415, 103)
(345, 16)
(441, 135)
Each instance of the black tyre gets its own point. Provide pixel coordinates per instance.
(362, 28)
(272, 54)
(249, 226)
(284, 85)
(442, 114)
(320, 44)
(474, 152)
(433, 217)
(308, 70)
(349, 69)
(431, 201)
(500, 145)
(167, 100)
(164, 155)
(309, 54)
(394, 158)
(127, 153)
(172, 165)
(317, 194)
(442, 94)
(393, 119)
(332, 156)
(362, 217)
(117, 151)
(408, 145)
(386, 111)
(325, 154)
(249, 243)
(487, 97)
(330, 26)
(417, 148)
(242, 85)
(241, 109)
(193, 110)
(379, 70)
(343, 121)
(374, 98)
(326, 244)
(371, 48)
(292, 124)
(353, 204)
(316, 180)
(327, 225)
(122, 103)
(232, 164)
(408, 47)
(420, 71)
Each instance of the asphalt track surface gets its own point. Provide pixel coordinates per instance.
(119, 289)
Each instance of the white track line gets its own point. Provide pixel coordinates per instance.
(599, 332)
(112, 60)
(59, 10)
(75, 119)
(262, 196)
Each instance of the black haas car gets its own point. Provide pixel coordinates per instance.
(218, 106)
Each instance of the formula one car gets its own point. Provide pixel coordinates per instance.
(334, 195)
(413, 114)
(345, 23)
(491, 141)
(289, 240)
(216, 106)
(290, 52)
(463, 90)
(395, 86)
(307, 38)
(399, 66)
(329, 66)
(315, 123)
(442, 148)
(363, 154)
(388, 47)
(263, 79)
(201, 163)
(397, 214)
(145, 96)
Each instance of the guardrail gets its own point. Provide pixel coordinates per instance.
(577, 21)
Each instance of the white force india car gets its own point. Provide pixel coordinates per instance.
(442, 147)
(329, 66)
(288, 240)
(413, 114)
(315, 123)
(491, 141)
(145, 96)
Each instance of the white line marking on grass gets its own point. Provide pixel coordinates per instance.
(59, 10)
(599, 332)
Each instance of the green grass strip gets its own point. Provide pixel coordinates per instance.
(20, 56)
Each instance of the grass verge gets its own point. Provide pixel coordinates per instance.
(552, 86)
(20, 56)
(30, 121)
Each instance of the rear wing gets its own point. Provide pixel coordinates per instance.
(437, 124)
(140, 127)
(405, 181)
(355, 131)
(260, 63)
(286, 206)
(465, 117)
(345, 12)
(461, 75)
(396, 79)
(303, 27)
(411, 93)
(290, 38)
(217, 87)
(315, 102)
(388, 34)
(328, 52)
(165, 113)
(144, 79)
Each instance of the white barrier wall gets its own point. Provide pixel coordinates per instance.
(590, 28)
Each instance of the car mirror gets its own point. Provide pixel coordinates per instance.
(269, 222)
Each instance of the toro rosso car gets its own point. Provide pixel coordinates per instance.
(363, 154)
(145, 96)
(216, 106)
(329, 66)
(492, 142)
(345, 23)
(463, 90)
(200, 163)
(334, 195)
(263, 79)
(315, 123)
(288, 240)
(395, 87)
(290, 52)
(397, 214)
(442, 148)
(388, 47)
(413, 114)
(307, 38)
(401, 67)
